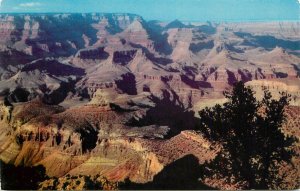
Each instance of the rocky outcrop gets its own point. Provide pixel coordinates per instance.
(208, 58)
(137, 34)
(46, 34)
(92, 54)
(118, 96)
(275, 86)
(91, 140)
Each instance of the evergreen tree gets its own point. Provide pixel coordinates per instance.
(250, 132)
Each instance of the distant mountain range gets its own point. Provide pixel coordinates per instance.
(107, 48)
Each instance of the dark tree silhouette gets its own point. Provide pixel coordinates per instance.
(21, 178)
(250, 132)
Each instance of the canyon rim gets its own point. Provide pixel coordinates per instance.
(111, 101)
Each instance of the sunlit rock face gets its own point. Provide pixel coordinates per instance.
(192, 61)
(116, 95)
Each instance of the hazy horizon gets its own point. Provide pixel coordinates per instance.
(167, 10)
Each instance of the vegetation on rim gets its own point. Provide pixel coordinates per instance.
(250, 132)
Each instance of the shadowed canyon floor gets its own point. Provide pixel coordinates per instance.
(118, 97)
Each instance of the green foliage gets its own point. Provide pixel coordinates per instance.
(65, 185)
(74, 177)
(55, 182)
(250, 132)
(91, 184)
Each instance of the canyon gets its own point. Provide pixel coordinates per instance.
(118, 96)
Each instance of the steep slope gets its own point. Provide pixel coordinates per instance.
(46, 77)
(47, 34)
(118, 95)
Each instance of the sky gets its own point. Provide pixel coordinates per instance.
(167, 10)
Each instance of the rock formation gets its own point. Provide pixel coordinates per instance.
(119, 96)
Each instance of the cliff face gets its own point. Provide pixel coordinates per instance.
(113, 94)
(194, 62)
(276, 86)
(96, 143)
(51, 32)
